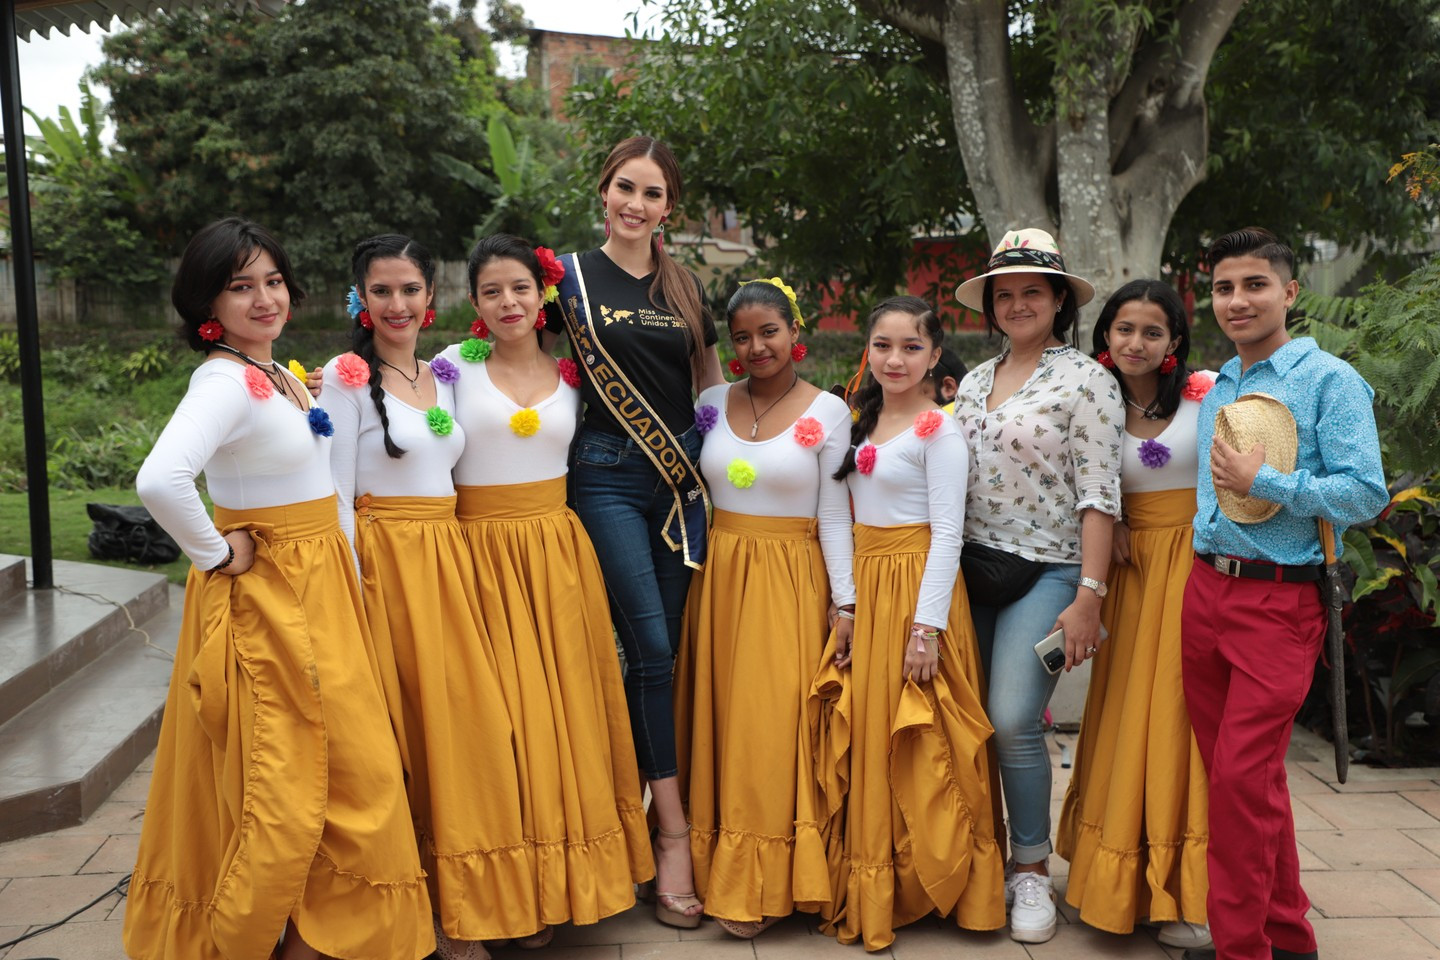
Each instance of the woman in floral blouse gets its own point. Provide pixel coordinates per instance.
(1044, 424)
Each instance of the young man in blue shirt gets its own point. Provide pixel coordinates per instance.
(1253, 622)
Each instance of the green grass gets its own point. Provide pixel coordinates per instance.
(70, 526)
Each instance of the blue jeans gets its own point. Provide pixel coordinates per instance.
(1019, 689)
(623, 501)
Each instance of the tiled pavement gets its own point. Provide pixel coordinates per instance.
(1370, 851)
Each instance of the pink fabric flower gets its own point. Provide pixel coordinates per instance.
(808, 432)
(1196, 386)
(569, 371)
(258, 384)
(865, 459)
(353, 371)
(927, 423)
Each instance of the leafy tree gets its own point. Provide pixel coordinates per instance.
(324, 123)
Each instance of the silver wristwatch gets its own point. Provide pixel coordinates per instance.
(1097, 585)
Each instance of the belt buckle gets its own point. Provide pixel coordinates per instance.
(1227, 565)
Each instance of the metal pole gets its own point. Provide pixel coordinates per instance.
(27, 325)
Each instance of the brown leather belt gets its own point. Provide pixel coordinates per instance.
(1274, 572)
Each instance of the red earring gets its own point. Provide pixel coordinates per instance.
(289, 315)
(428, 319)
(479, 329)
(1105, 359)
(1169, 363)
(797, 352)
(736, 367)
(365, 320)
(540, 321)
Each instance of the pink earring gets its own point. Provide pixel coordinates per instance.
(607, 223)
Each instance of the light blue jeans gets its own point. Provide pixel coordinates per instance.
(1019, 690)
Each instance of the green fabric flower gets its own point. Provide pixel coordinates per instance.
(475, 350)
(440, 421)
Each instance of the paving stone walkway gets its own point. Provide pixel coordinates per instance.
(1370, 851)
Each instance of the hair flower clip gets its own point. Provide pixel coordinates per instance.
(808, 432)
(258, 384)
(1196, 386)
(353, 303)
(1154, 454)
(352, 371)
(525, 423)
(320, 424)
(438, 419)
(789, 292)
(740, 474)
(444, 371)
(865, 459)
(569, 372)
(706, 417)
(927, 423)
(475, 350)
(552, 271)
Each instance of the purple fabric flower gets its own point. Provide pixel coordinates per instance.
(444, 370)
(705, 418)
(1154, 454)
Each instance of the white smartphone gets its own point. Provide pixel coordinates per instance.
(1051, 652)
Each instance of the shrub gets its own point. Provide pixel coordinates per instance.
(109, 457)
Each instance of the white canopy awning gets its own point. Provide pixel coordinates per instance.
(45, 16)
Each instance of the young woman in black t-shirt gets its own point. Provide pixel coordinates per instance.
(645, 309)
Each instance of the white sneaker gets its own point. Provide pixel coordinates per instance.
(1032, 918)
(1180, 934)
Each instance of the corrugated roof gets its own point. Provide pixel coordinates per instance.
(45, 16)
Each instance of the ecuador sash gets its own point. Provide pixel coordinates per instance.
(685, 526)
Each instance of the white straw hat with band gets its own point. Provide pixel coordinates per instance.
(1248, 420)
(1024, 251)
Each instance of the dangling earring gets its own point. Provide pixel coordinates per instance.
(540, 321)
(289, 315)
(1105, 359)
(660, 234)
(428, 319)
(479, 329)
(797, 352)
(607, 223)
(1169, 363)
(365, 320)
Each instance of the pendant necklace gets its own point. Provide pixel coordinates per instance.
(413, 381)
(1145, 411)
(273, 373)
(755, 427)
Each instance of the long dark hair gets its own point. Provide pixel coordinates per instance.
(1167, 393)
(870, 398)
(673, 283)
(210, 259)
(1065, 317)
(362, 341)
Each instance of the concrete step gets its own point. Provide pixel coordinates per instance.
(46, 636)
(64, 754)
(12, 576)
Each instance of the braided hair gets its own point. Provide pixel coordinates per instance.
(362, 341)
(869, 400)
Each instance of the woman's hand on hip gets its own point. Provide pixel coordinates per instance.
(244, 546)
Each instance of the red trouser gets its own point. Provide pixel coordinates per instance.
(1249, 655)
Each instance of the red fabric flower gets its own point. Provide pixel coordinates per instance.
(927, 423)
(808, 432)
(211, 330)
(736, 367)
(797, 352)
(551, 268)
(865, 459)
(258, 384)
(1196, 386)
(1169, 363)
(1105, 359)
(353, 371)
(479, 329)
(569, 371)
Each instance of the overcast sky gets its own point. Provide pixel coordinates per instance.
(50, 68)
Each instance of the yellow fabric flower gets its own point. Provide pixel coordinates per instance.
(525, 423)
(789, 292)
(740, 473)
(300, 372)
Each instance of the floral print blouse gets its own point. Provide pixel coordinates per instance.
(1051, 450)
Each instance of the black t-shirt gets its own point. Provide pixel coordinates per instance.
(650, 345)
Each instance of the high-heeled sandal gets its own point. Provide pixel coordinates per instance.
(536, 941)
(447, 949)
(746, 929)
(667, 913)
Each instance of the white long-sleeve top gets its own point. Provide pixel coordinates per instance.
(254, 453)
(791, 475)
(919, 479)
(494, 453)
(358, 459)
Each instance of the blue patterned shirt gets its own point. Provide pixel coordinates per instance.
(1337, 473)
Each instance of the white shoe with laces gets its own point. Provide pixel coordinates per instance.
(1032, 917)
(1180, 934)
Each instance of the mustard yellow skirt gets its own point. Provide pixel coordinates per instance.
(456, 741)
(1134, 825)
(278, 792)
(910, 761)
(545, 610)
(755, 629)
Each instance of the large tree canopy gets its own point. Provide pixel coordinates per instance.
(835, 131)
(322, 123)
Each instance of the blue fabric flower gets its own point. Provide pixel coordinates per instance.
(320, 422)
(1154, 454)
(353, 304)
(444, 370)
